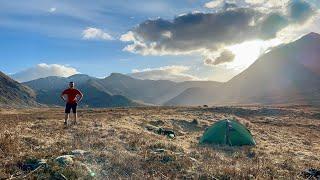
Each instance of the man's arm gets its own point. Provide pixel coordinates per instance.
(62, 96)
(80, 96)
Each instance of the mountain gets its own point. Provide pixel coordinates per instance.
(48, 91)
(55, 82)
(287, 74)
(149, 91)
(13, 94)
(100, 98)
(144, 91)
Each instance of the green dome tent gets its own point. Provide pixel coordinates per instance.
(227, 132)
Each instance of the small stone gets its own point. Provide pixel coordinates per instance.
(171, 136)
(159, 150)
(65, 160)
(42, 161)
(195, 122)
(194, 160)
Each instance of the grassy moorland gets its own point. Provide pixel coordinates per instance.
(120, 144)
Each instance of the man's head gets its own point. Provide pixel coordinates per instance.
(71, 84)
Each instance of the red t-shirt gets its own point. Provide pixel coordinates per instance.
(72, 95)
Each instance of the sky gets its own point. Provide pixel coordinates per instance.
(177, 40)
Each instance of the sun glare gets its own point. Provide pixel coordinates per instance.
(246, 53)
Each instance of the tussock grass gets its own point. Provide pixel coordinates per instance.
(120, 147)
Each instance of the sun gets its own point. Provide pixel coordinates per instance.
(248, 52)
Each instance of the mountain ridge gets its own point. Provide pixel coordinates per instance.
(49, 89)
(13, 94)
(286, 74)
(146, 91)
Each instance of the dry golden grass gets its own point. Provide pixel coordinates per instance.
(120, 147)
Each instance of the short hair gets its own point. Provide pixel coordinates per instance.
(71, 82)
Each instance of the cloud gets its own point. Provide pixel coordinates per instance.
(292, 33)
(53, 9)
(300, 11)
(268, 3)
(95, 34)
(172, 73)
(221, 4)
(205, 33)
(214, 4)
(225, 56)
(44, 70)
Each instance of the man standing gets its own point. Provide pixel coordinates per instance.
(74, 96)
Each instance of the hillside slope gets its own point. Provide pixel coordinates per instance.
(48, 92)
(287, 74)
(149, 91)
(14, 94)
(146, 91)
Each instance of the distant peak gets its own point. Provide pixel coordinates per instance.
(311, 35)
(117, 75)
(78, 75)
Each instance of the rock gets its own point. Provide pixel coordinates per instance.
(180, 154)
(161, 131)
(65, 160)
(194, 160)
(159, 150)
(77, 166)
(171, 136)
(251, 154)
(311, 173)
(42, 161)
(166, 159)
(165, 132)
(195, 122)
(32, 164)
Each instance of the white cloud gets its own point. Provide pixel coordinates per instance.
(44, 70)
(53, 9)
(201, 32)
(269, 3)
(214, 4)
(96, 34)
(224, 57)
(129, 36)
(292, 33)
(172, 73)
